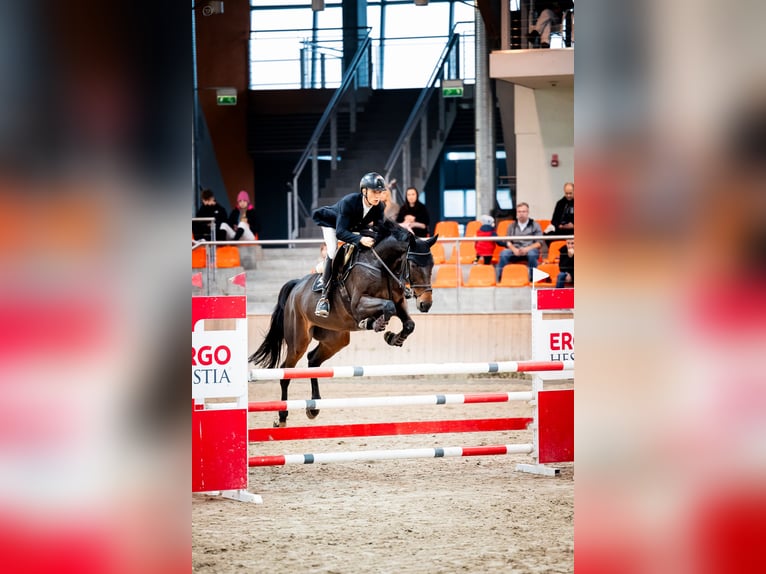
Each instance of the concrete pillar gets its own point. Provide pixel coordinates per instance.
(485, 124)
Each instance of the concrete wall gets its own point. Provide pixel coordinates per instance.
(222, 62)
(437, 339)
(544, 126)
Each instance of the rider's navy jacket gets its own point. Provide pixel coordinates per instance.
(347, 217)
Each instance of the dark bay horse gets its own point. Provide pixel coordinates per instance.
(374, 290)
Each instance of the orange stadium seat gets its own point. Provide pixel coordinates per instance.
(437, 250)
(553, 250)
(552, 269)
(447, 229)
(199, 257)
(514, 275)
(467, 252)
(227, 256)
(471, 228)
(448, 276)
(502, 227)
(481, 276)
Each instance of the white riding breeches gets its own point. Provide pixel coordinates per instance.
(331, 240)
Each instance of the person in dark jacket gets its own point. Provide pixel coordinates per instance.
(202, 230)
(242, 219)
(566, 264)
(562, 220)
(414, 215)
(353, 214)
(485, 248)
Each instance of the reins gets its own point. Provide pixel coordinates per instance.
(404, 277)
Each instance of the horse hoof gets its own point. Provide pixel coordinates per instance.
(312, 413)
(388, 337)
(379, 324)
(279, 424)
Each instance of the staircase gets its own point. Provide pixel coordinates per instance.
(275, 268)
(367, 150)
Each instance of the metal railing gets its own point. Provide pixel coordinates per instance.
(349, 86)
(417, 128)
(210, 262)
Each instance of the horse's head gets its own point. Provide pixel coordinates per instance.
(391, 241)
(421, 265)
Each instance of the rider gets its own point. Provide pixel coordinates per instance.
(345, 220)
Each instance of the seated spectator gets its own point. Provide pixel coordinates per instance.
(414, 215)
(521, 249)
(202, 230)
(243, 219)
(486, 248)
(548, 20)
(566, 264)
(562, 220)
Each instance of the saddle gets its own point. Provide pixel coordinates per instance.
(342, 264)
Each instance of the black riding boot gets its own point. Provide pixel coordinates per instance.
(323, 305)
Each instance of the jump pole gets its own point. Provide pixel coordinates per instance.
(408, 370)
(553, 439)
(370, 455)
(445, 399)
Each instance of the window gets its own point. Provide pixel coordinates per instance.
(291, 46)
(459, 203)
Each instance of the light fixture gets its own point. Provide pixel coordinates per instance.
(317, 5)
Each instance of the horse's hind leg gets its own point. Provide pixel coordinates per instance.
(330, 342)
(283, 383)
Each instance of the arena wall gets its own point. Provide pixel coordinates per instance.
(437, 338)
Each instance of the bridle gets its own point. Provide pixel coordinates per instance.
(419, 258)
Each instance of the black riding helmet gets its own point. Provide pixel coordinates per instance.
(373, 181)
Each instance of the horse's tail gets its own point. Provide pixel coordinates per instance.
(269, 354)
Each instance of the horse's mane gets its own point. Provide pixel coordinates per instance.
(389, 228)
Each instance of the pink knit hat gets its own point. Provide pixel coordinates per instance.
(246, 196)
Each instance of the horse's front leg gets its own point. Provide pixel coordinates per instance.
(408, 326)
(373, 312)
(282, 422)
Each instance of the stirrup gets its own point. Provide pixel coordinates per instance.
(323, 308)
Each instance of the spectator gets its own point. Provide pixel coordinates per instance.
(320, 265)
(562, 220)
(486, 248)
(202, 230)
(548, 20)
(243, 219)
(388, 199)
(566, 264)
(521, 249)
(414, 215)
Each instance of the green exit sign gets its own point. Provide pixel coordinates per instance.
(452, 92)
(452, 88)
(227, 100)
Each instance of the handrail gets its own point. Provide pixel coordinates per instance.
(334, 101)
(420, 106)
(349, 77)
